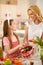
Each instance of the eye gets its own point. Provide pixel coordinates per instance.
(32, 14)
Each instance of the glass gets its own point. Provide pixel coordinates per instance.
(41, 52)
(25, 62)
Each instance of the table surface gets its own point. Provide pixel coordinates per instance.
(26, 61)
(35, 58)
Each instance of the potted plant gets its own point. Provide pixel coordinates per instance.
(40, 46)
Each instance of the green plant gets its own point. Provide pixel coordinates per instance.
(39, 41)
(40, 44)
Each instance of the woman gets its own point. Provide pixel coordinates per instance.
(35, 27)
(10, 41)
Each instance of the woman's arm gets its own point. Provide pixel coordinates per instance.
(26, 35)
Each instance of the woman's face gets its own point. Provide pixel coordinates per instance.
(32, 15)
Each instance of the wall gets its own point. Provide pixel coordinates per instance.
(40, 4)
(21, 8)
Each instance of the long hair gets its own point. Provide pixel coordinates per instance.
(36, 10)
(11, 20)
(6, 33)
(10, 23)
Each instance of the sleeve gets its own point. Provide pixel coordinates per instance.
(5, 41)
(39, 33)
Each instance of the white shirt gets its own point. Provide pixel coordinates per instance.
(35, 30)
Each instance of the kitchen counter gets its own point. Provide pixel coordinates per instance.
(20, 32)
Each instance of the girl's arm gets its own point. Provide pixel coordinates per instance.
(6, 44)
(10, 51)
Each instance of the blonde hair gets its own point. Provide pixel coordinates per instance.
(37, 11)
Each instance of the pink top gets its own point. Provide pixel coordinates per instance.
(7, 43)
(14, 41)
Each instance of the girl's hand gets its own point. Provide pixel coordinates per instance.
(20, 46)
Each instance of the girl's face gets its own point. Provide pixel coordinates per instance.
(13, 25)
(32, 15)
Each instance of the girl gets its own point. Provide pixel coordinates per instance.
(10, 41)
